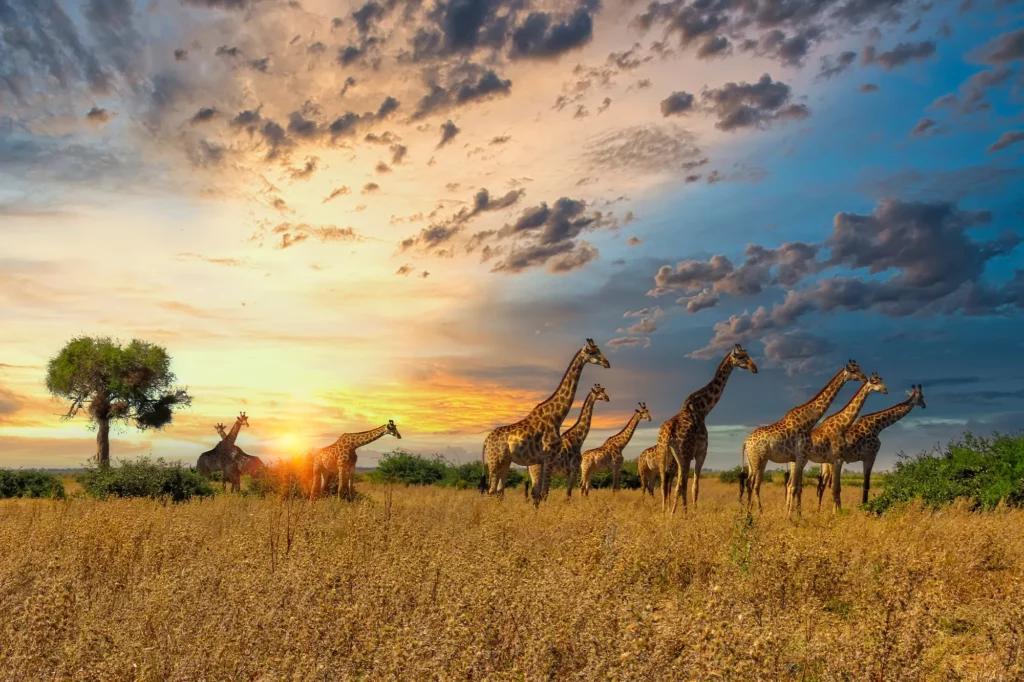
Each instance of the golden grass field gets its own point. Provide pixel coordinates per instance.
(438, 584)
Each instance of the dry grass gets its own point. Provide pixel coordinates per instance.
(442, 584)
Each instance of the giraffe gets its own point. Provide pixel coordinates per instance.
(862, 442)
(339, 459)
(247, 465)
(608, 457)
(789, 439)
(684, 437)
(828, 437)
(221, 458)
(570, 449)
(535, 439)
(647, 470)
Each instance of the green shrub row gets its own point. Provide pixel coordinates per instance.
(155, 479)
(30, 483)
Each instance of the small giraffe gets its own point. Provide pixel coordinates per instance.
(862, 442)
(247, 465)
(789, 439)
(647, 469)
(684, 437)
(339, 459)
(828, 437)
(608, 457)
(535, 439)
(570, 450)
(221, 458)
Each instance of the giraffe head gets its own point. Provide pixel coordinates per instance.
(599, 393)
(874, 383)
(242, 419)
(222, 430)
(642, 411)
(393, 430)
(916, 396)
(852, 371)
(593, 354)
(738, 357)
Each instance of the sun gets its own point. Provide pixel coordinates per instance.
(291, 443)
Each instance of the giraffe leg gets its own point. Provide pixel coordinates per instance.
(797, 480)
(498, 476)
(684, 478)
(868, 464)
(616, 472)
(541, 491)
(695, 486)
(821, 483)
(757, 467)
(570, 480)
(678, 489)
(585, 479)
(698, 464)
(837, 474)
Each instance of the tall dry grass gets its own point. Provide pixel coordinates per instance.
(420, 584)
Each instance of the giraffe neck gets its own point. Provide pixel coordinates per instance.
(848, 414)
(362, 438)
(557, 406)
(621, 439)
(233, 433)
(875, 422)
(579, 431)
(811, 411)
(703, 400)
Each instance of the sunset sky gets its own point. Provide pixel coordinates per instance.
(333, 214)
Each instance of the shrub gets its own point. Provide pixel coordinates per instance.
(30, 483)
(399, 466)
(145, 478)
(731, 476)
(279, 478)
(983, 470)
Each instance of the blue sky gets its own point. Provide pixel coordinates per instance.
(139, 201)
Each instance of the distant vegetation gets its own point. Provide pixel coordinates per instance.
(30, 483)
(155, 479)
(985, 471)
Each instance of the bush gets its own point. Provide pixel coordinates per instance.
(982, 470)
(285, 478)
(731, 476)
(145, 478)
(399, 466)
(30, 483)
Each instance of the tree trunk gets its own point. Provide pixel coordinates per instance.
(103, 442)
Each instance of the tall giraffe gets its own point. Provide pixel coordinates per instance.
(570, 449)
(221, 458)
(684, 437)
(862, 442)
(828, 437)
(339, 458)
(608, 457)
(248, 464)
(789, 439)
(535, 439)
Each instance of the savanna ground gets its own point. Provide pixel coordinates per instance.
(432, 583)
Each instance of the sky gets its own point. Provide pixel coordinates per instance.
(333, 214)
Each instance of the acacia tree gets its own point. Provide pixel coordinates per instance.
(132, 384)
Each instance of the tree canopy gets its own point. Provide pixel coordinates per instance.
(132, 384)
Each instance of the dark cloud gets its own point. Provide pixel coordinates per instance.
(387, 107)
(1010, 137)
(275, 138)
(1004, 48)
(900, 55)
(405, 270)
(289, 234)
(225, 51)
(204, 115)
(440, 233)
(349, 54)
(467, 84)
(715, 46)
(924, 127)
(542, 37)
(205, 154)
(344, 125)
(306, 170)
(634, 241)
(349, 82)
(448, 132)
(919, 258)
(221, 4)
(560, 258)
(367, 15)
(752, 105)
(180, 55)
(646, 325)
(382, 167)
(677, 103)
(262, 64)
(842, 62)
(248, 119)
(98, 115)
(790, 50)
(972, 93)
(501, 139)
(341, 191)
(370, 188)
(398, 153)
(797, 351)
(868, 87)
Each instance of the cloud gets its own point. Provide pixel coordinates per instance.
(925, 126)
(290, 234)
(1007, 139)
(646, 325)
(501, 139)
(465, 84)
(900, 55)
(752, 105)
(540, 36)
(441, 233)
(99, 115)
(405, 270)
(797, 351)
(868, 87)
(918, 257)
(630, 342)
(647, 149)
(677, 103)
(387, 107)
(1004, 48)
(448, 132)
(398, 153)
(829, 69)
(634, 241)
(306, 171)
(229, 262)
(654, 312)
(971, 95)
(341, 191)
(370, 188)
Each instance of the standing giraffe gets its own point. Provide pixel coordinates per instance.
(535, 439)
(684, 437)
(339, 459)
(221, 458)
(608, 457)
(789, 439)
(828, 437)
(647, 469)
(862, 442)
(570, 449)
(247, 465)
